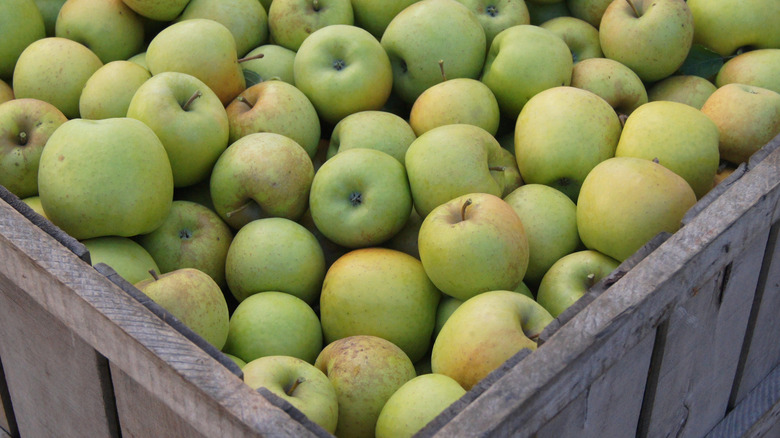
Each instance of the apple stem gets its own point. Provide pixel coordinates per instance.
(250, 58)
(656, 160)
(441, 68)
(591, 280)
(633, 7)
(192, 98)
(239, 209)
(154, 274)
(295, 384)
(463, 209)
(315, 5)
(622, 117)
(23, 138)
(497, 168)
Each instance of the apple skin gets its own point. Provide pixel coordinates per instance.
(129, 259)
(157, 10)
(485, 331)
(49, 10)
(237, 360)
(724, 26)
(688, 89)
(581, 37)
(497, 15)
(626, 201)
(455, 101)
(21, 24)
(612, 81)
(298, 382)
(34, 202)
(108, 92)
(380, 292)
(292, 21)
(570, 277)
(195, 299)
(415, 404)
(406, 239)
(374, 16)
(25, 127)
(247, 20)
(588, 10)
(380, 130)
(276, 63)
(6, 92)
(759, 68)
(274, 324)
(472, 244)
(365, 371)
(653, 45)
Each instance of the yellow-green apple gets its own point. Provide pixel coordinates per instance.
(21, 24)
(275, 254)
(366, 371)
(453, 160)
(110, 89)
(34, 202)
(549, 218)
(299, 383)
(523, 61)
(415, 404)
(192, 236)
(725, 26)
(688, 89)
(651, 37)
(278, 107)
(447, 306)
(570, 277)
(194, 299)
(202, 48)
(55, 70)
(360, 198)
(747, 118)
(108, 27)
(759, 68)
(261, 175)
(406, 239)
(588, 10)
(687, 144)
(485, 331)
(129, 259)
(140, 59)
(6, 92)
(612, 81)
(455, 101)
(561, 134)
(25, 127)
(626, 201)
(105, 177)
(581, 37)
(237, 360)
(497, 15)
(50, 9)
(330, 249)
(343, 69)
(275, 64)
(274, 324)
(380, 130)
(427, 32)
(188, 118)
(374, 16)
(157, 10)
(247, 20)
(290, 22)
(380, 292)
(473, 244)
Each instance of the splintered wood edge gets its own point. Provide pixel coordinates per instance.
(183, 376)
(542, 384)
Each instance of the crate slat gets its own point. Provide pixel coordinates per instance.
(757, 414)
(7, 424)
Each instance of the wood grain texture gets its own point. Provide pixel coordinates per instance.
(758, 414)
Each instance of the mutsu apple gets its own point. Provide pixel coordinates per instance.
(275, 64)
(588, 10)
(380, 130)
(447, 306)
(129, 259)
(157, 10)
(724, 26)
(581, 37)
(298, 382)
(6, 92)
(108, 92)
(49, 10)
(759, 68)
(497, 15)
(247, 20)
(612, 81)
(108, 27)
(25, 127)
(237, 360)
(374, 16)
(21, 23)
(688, 89)
(292, 21)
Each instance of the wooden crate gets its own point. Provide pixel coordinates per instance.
(681, 340)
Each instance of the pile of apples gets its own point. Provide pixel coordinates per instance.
(371, 205)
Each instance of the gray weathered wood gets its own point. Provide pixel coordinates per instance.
(758, 414)
(6, 412)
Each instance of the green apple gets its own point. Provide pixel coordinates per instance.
(523, 61)
(194, 299)
(275, 254)
(561, 134)
(25, 127)
(427, 32)
(278, 107)
(192, 236)
(275, 64)
(6, 92)
(380, 292)
(612, 81)
(108, 27)
(747, 117)
(626, 201)
(189, 120)
(50, 9)
(105, 177)
(406, 239)
(129, 259)
(274, 324)
(237, 360)
(725, 26)
(550, 221)
(290, 22)
(374, 16)
(472, 244)
(343, 69)
(261, 175)
(366, 371)
(651, 37)
(415, 404)
(447, 306)
(497, 15)
(544, 10)
(157, 10)
(687, 144)
(140, 59)
(360, 198)
(570, 277)
(331, 250)
(202, 48)
(21, 23)
(484, 332)
(110, 89)
(588, 10)
(299, 383)
(247, 20)
(34, 202)
(759, 68)
(455, 101)
(380, 130)
(688, 89)
(581, 37)
(55, 70)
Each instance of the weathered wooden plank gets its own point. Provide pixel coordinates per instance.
(7, 423)
(758, 414)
